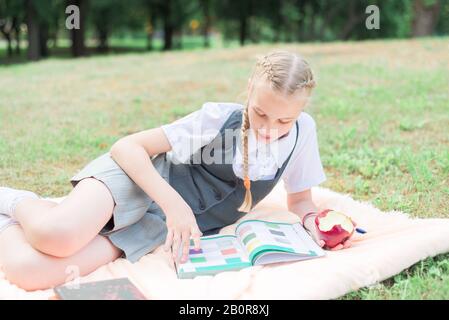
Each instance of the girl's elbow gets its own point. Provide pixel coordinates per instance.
(117, 147)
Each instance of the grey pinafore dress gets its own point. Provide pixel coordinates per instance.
(212, 190)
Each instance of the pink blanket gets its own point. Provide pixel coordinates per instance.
(393, 243)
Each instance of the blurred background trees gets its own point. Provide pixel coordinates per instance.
(35, 29)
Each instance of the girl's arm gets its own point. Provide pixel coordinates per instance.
(301, 203)
(132, 153)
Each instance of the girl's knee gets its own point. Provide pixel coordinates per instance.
(58, 239)
(23, 269)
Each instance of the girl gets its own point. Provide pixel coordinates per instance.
(170, 184)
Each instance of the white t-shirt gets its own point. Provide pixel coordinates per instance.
(304, 170)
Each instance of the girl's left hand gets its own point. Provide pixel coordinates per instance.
(315, 235)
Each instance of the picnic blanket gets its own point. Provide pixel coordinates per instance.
(394, 241)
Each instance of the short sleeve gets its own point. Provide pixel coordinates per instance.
(304, 169)
(188, 134)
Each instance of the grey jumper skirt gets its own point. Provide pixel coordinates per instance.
(212, 190)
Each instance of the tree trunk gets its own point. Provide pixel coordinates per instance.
(150, 41)
(43, 39)
(243, 29)
(278, 23)
(6, 32)
(205, 4)
(245, 14)
(354, 18)
(33, 52)
(168, 25)
(327, 20)
(152, 15)
(168, 36)
(54, 38)
(16, 26)
(179, 44)
(312, 23)
(78, 45)
(277, 26)
(103, 36)
(8, 39)
(425, 17)
(302, 21)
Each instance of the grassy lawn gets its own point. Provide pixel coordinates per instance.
(125, 44)
(381, 108)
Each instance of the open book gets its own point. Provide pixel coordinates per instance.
(256, 242)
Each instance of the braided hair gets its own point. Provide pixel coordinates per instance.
(286, 72)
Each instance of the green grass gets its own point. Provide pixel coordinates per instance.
(428, 279)
(381, 109)
(119, 45)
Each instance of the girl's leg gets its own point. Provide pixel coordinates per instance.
(31, 269)
(63, 229)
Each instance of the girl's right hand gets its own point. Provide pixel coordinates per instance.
(181, 224)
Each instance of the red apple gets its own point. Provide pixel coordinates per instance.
(334, 227)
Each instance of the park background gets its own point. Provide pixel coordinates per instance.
(381, 104)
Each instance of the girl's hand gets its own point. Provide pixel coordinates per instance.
(314, 232)
(181, 224)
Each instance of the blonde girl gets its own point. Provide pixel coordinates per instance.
(174, 183)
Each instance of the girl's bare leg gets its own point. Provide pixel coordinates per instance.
(63, 229)
(31, 269)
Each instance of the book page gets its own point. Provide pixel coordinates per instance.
(217, 253)
(258, 236)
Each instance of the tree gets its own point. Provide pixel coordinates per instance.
(206, 11)
(426, 14)
(34, 49)
(108, 16)
(152, 8)
(326, 21)
(443, 22)
(236, 13)
(168, 24)
(246, 8)
(78, 47)
(11, 15)
(355, 16)
(41, 19)
(174, 15)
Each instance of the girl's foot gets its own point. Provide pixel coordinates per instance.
(10, 198)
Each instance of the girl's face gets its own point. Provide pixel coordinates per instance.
(271, 114)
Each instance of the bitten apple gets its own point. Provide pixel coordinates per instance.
(334, 227)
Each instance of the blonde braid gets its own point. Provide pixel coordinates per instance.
(248, 201)
(309, 81)
(308, 84)
(267, 67)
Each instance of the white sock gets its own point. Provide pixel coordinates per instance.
(10, 198)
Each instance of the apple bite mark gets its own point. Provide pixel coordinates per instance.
(333, 218)
(334, 227)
